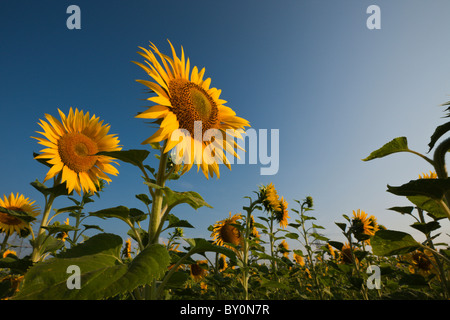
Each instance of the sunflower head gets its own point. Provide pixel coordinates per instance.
(283, 247)
(282, 214)
(10, 223)
(363, 226)
(299, 259)
(346, 255)
(421, 262)
(193, 121)
(126, 252)
(222, 262)
(199, 270)
(431, 175)
(309, 202)
(269, 197)
(227, 232)
(72, 147)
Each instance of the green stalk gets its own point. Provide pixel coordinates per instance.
(35, 256)
(155, 218)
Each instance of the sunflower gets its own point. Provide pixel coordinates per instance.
(299, 259)
(363, 226)
(198, 270)
(346, 256)
(188, 110)
(253, 230)
(432, 175)
(283, 247)
(9, 223)
(226, 233)
(9, 252)
(269, 198)
(126, 252)
(331, 251)
(72, 145)
(421, 262)
(282, 214)
(222, 262)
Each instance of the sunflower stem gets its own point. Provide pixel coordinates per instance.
(36, 255)
(155, 218)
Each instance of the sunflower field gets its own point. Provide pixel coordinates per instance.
(247, 256)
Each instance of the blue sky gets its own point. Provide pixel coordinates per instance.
(334, 89)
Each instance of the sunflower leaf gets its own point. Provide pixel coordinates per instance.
(133, 156)
(101, 273)
(56, 191)
(438, 133)
(120, 212)
(432, 188)
(429, 205)
(199, 246)
(390, 242)
(426, 228)
(403, 210)
(21, 215)
(399, 144)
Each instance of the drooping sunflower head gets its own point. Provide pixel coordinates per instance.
(346, 254)
(10, 223)
(226, 232)
(282, 214)
(299, 259)
(269, 198)
(283, 247)
(194, 122)
(72, 145)
(199, 270)
(421, 262)
(222, 263)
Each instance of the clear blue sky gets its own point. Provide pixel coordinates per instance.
(334, 89)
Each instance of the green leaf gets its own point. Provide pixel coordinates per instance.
(432, 188)
(338, 245)
(429, 205)
(399, 144)
(137, 215)
(21, 215)
(173, 198)
(175, 222)
(341, 225)
(15, 264)
(68, 209)
(403, 210)
(317, 236)
(413, 280)
(56, 191)
(134, 156)
(92, 226)
(438, 133)
(102, 275)
(426, 228)
(144, 198)
(119, 212)
(390, 242)
(199, 245)
(291, 235)
(57, 227)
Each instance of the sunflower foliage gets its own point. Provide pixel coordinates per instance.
(269, 250)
